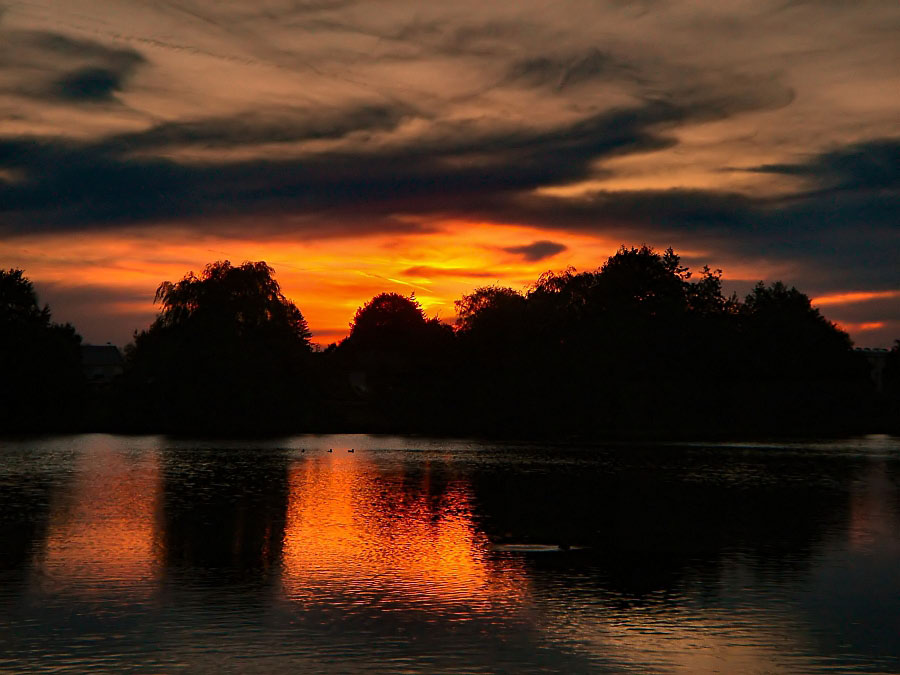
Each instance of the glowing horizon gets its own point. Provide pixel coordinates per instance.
(329, 279)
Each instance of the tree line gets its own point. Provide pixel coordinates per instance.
(639, 347)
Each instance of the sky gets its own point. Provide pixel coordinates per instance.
(396, 145)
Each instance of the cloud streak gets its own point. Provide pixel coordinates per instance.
(70, 185)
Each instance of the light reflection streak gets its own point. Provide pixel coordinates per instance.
(354, 536)
(103, 536)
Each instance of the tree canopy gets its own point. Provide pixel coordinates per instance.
(389, 321)
(244, 299)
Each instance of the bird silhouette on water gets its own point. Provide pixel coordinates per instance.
(351, 450)
(330, 449)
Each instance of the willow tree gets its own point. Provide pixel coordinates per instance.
(227, 352)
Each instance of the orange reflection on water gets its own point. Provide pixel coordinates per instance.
(351, 534)
(102, 534)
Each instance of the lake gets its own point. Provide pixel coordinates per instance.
(417, 555)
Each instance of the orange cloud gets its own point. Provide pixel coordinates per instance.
(852, 297)
(861, 327)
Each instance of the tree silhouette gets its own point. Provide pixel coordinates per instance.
(227, 353)
(390, 322)
(621, 350)
(490, 311)
(41, 382)
(398, 362)
(788, 336)
(244, 299)
(639, 346)
(796, 370)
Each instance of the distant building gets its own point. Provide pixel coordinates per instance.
(101, 363)
(877, 359)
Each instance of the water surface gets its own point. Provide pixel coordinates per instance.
(148, 554)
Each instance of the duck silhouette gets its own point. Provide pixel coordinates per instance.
(330, 449)
(351, 450)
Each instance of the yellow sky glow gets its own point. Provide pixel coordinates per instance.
(328, 279)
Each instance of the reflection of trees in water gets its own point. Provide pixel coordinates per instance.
(652, 518)
(224, 510)
(431, 485)
(24, 517)
(87, 526)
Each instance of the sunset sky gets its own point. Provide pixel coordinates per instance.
(399, 145)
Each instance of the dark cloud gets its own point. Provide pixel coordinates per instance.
(76, 185)
(872, 165)
(538, 250)
(835, 238)
(88, 84)
(55, 293)
(839, 233)
(842, 232)
(455, 167)
(50, 66)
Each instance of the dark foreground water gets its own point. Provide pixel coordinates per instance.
(145, 554)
